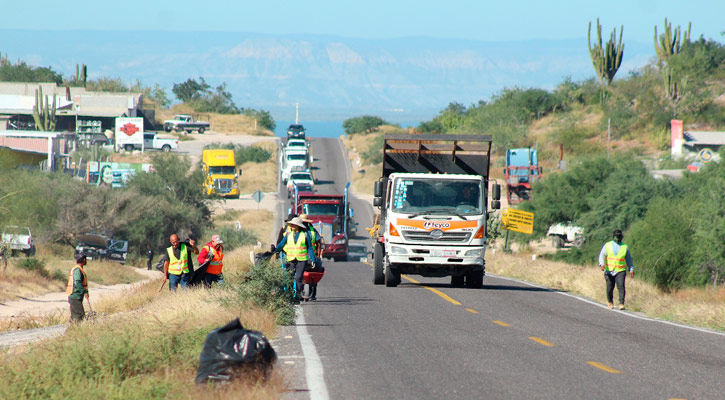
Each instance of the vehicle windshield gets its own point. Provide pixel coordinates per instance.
(222, 170)
(16, 230)
(304, 188)
(302, 177)
(296, 144)
(435, 196)
(297, 157)
(320, 209)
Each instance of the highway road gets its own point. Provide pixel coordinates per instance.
(509, 340)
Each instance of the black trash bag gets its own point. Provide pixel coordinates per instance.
(232, 351)
(196, 278)
(261, 257)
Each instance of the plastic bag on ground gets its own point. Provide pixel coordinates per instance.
(232, 351)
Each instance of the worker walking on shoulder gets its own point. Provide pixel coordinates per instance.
(214, 253)
(318, 244)
(298, 247)
(76, 289)
(615, 259)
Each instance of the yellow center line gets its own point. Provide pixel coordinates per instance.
(500, 323)
(541, 341)
(436, 291)
(604, 367)
(472, 311)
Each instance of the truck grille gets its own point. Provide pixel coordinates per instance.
(223, 185)
(447, 237)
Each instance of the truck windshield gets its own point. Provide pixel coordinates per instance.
(297, 157)
(320, 209)
(222, 170)
(437, 196)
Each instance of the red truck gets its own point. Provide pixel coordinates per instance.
(332, 217)
(522, 169)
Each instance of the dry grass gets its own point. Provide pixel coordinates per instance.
(260, 176)
(362, 182)
(701, 307)
(233, 124)
(18, 282)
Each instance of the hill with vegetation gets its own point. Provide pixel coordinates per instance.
(606, 128)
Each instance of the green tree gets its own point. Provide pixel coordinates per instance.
(107, 84)
(363, 124)
(22, 72)
(190, 89)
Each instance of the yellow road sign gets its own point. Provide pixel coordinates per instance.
(518, 221)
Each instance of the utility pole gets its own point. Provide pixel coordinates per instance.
(297, 113)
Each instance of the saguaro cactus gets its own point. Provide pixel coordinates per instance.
(43, 113)
(81, 74)
(606, 60)
(669, 44)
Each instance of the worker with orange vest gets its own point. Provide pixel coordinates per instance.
(614, 260)
(176, 262)
(77, 288)
(213, 252)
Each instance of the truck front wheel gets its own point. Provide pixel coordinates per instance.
(128, 147)
(457, 281)
(378, 271)
(392, 276)
(167, 128)
(201, 130)
(474, 279)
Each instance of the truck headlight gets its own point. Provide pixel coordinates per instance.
(473, 253)
(339, 241)
(398, 250)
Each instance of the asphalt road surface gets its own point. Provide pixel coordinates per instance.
(509, 340)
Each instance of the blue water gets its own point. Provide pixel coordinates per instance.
(326, 129)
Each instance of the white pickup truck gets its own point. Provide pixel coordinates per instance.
(152, 141)
(185, 123)
(18, 238)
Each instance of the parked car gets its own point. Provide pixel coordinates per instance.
(153, 141)
(100, 247)
(562, 234)
(18, 239)
(185, 123)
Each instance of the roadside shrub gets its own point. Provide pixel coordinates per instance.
(243, 154)
(374, 153)
(269, 286)
(234, 238)
(363, 124)
(35, 265)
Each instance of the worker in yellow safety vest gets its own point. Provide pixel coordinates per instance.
(615, 259)
(77, 288)
(298, 247)
(176, 262)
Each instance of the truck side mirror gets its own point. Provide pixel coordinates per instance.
(496, 189)
(495, 205)
(289, 211)
(240, 172)
(377, 202)
(352, 213)
(379, 189)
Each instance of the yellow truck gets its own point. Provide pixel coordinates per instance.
(220, 173)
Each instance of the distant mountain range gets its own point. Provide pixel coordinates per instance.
(332, 78)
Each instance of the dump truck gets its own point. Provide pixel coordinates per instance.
(433, 201)
(220, 173)
(522, 170)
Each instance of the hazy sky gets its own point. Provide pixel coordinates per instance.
(467, 19)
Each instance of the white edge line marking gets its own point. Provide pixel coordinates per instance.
(694, 328)
(347, 160)
(313, 365)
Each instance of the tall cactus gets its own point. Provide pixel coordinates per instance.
(81, 74)
(669, 44)
(606, 60)
(43, 113)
